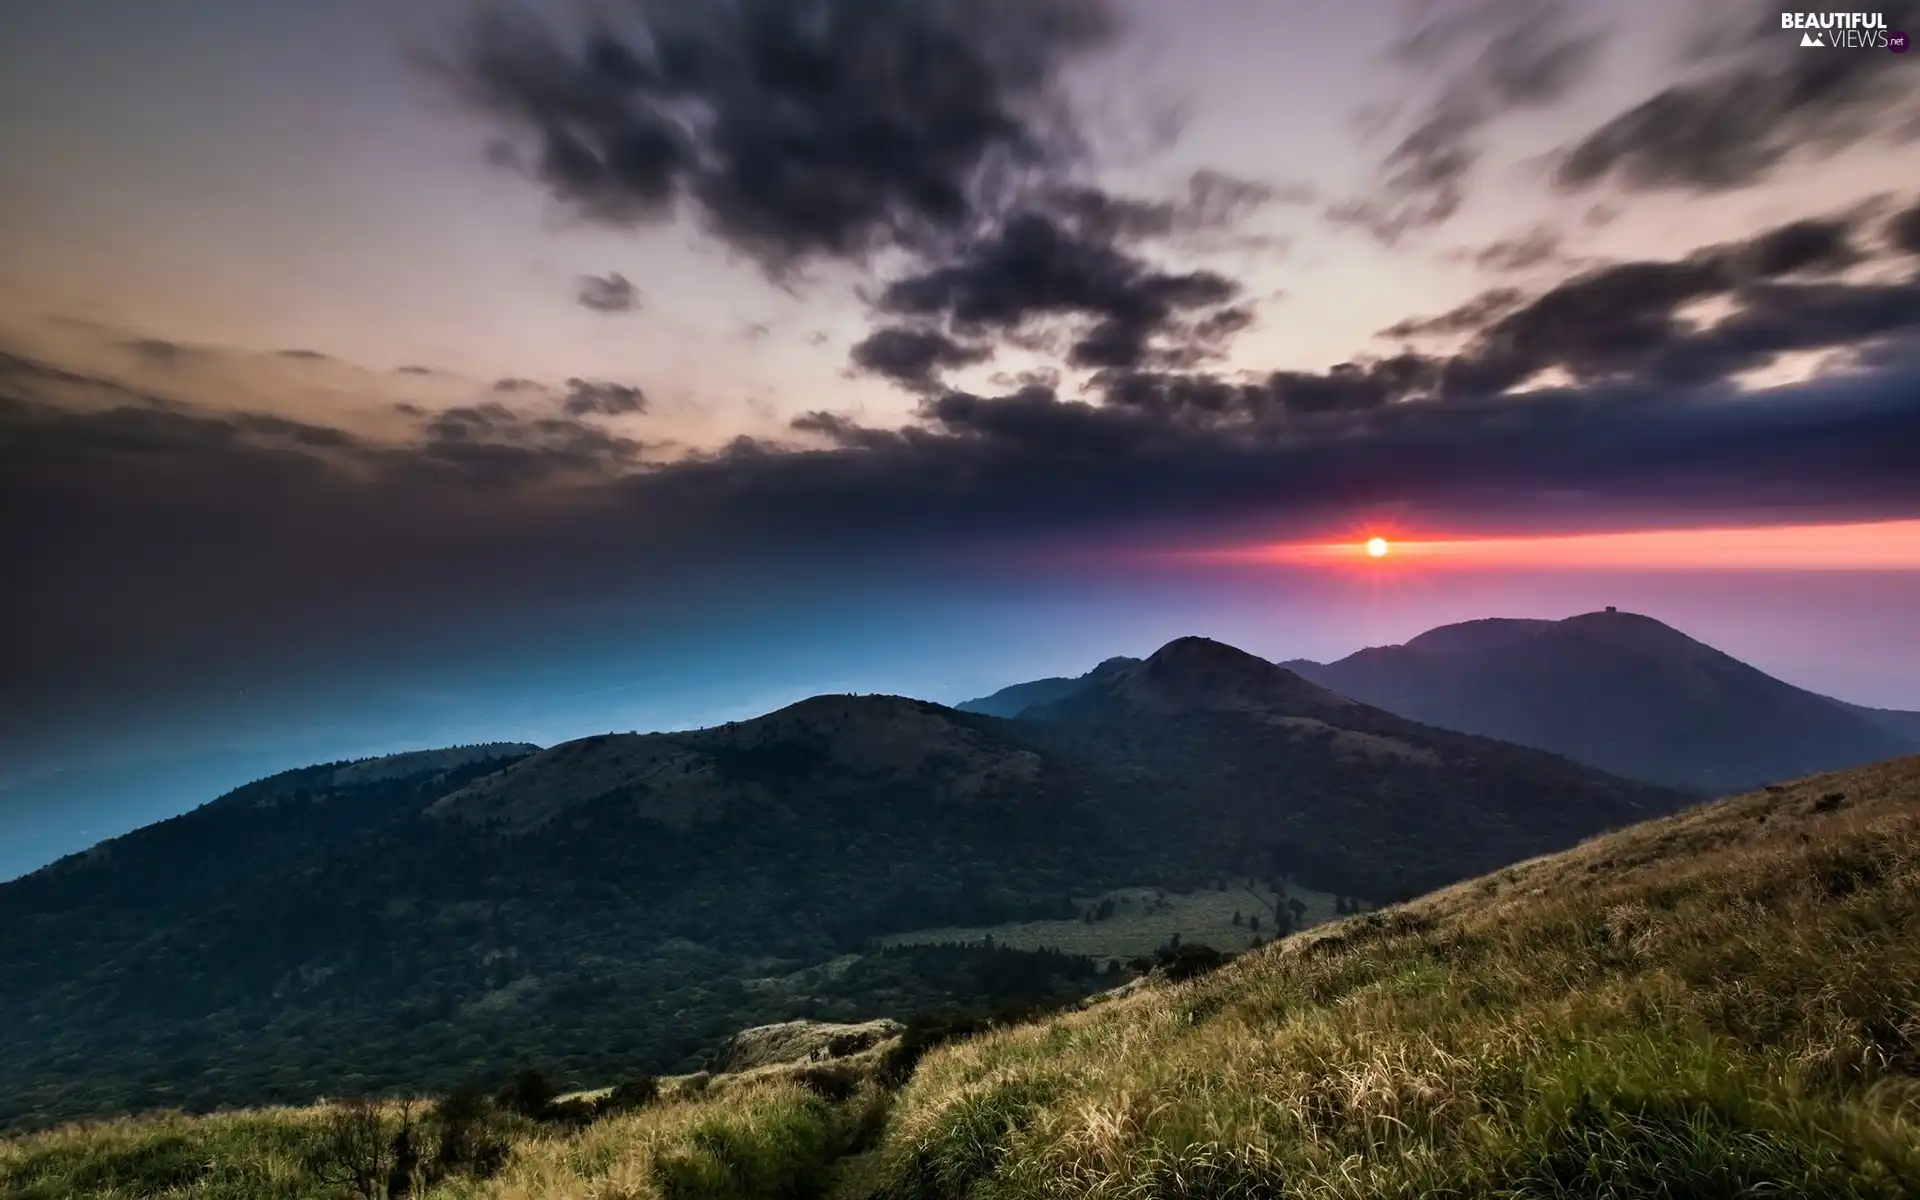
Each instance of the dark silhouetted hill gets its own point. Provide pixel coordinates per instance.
(1012, 701)
(1344, 796)
(1623, 693)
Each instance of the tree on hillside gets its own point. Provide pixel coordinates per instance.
(357, 1155)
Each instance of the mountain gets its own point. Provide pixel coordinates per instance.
(49, 816)
(618, 899)
(1622, 693)
(626, 902)
(1012, 701)
(1347, 797)
(1904, 725)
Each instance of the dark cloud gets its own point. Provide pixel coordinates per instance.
(1471, 317)
(511, 384)
(304, 356)
(1215, 203)
(413, 369)
(842, 430)
(1626, 320)
(795, 131)
(612, 293)
(1492, 57)
(1202, 452)
(1529, 250)
(589, 398)
(1775, 319)
(1273, 402)
(492, 445)
(1035, 268)
(1821, 245)
(1592, 326)
(1763, 102)
(914, 358)
(160, 352)
(1903, 231)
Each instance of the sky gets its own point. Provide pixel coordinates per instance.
(379, 376)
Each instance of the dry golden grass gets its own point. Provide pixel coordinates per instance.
(770, 1138)
(1719, 1003)
(759, 1137)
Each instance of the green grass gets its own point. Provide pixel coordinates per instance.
(233, 1156)
(1144, 919)
(1721, 1004)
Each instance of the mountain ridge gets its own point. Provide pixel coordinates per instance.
(1621, 692)
(1010, 701)
(654, 893)
(1354, 798)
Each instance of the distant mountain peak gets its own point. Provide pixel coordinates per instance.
(1626, 630)
(1620, 691)
(1632, 631)
(1472, 637)
(1198, 672)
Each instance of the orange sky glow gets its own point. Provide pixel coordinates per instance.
(1866, 546)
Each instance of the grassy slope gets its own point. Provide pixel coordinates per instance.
(1702, 1005)
(1722, 1003)
(764, 1138)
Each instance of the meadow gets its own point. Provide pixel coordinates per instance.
(1142, 919)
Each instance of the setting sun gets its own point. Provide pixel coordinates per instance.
(1377, 547)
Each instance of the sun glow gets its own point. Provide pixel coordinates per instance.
(1863, 546)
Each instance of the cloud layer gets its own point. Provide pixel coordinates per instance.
(1760, 102)
(794, 131)
(930, 147)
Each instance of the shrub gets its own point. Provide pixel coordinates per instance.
(529, 1094)
(833, 1082)
(467, 1137)
(355, 1153)
(634, 1094)
(1177, 961)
